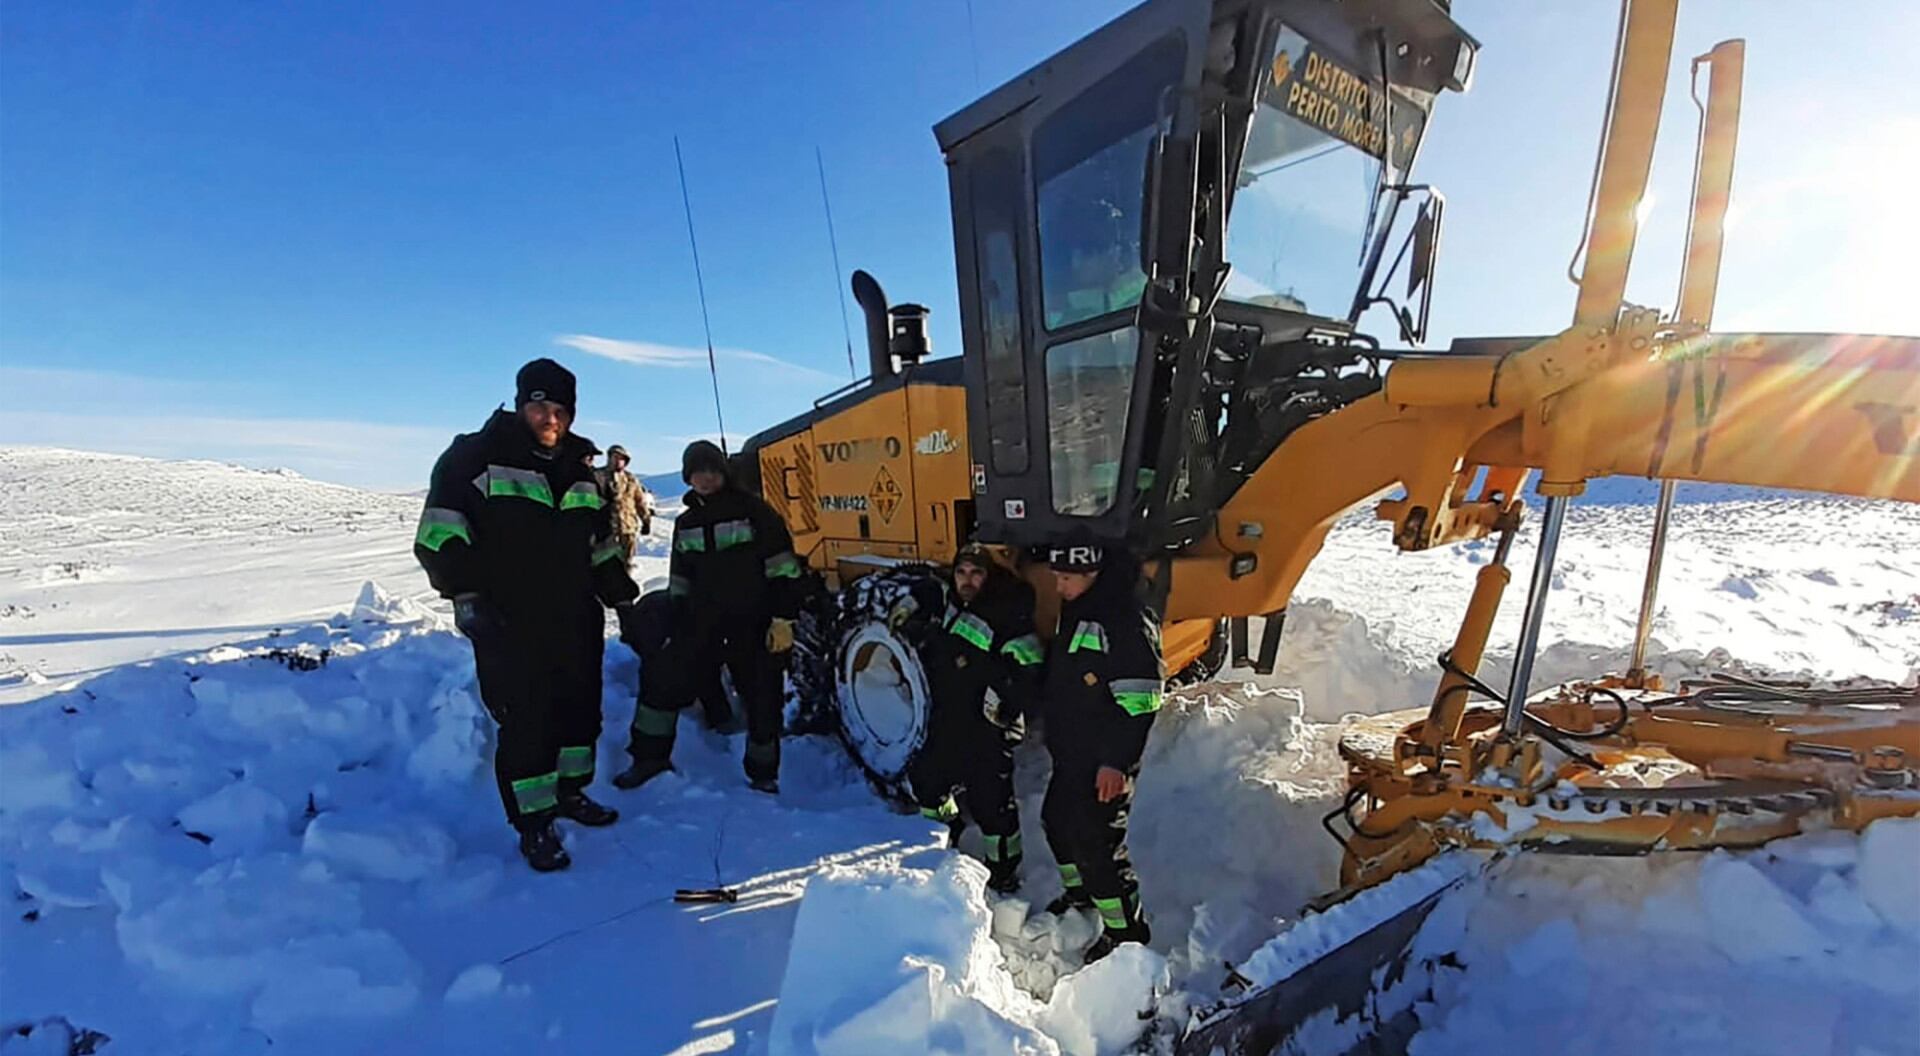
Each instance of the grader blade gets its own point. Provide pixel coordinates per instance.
(1343, 982)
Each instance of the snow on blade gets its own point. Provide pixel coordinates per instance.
(1319, 934)
(1791, 950)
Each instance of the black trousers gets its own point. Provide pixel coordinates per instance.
(1089, 840)
(691, 666)
(968, 761)
(545, 694)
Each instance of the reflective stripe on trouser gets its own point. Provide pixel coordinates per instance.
(547, 696)
(531, 795)
(663, 692)
(741, 648)
(1117, 913)
(945, 812)
(1003, 848)
(1092, 836)
(1069, 875)
(576, 766)
(963, 750)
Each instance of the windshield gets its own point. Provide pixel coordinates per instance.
(1308, 183)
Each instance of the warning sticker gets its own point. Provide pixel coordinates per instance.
(885, 495)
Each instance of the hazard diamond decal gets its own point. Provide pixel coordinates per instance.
(885, 495)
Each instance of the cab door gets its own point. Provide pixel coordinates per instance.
(1049, 196)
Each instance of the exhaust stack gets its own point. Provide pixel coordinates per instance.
(873, 302)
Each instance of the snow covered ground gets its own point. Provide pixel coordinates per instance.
(245, 806)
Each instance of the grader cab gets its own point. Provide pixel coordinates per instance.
(1167, 238)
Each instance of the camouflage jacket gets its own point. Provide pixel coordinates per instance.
(625, 499)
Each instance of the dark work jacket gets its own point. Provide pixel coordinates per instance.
(733, 561)
(1104, 676)
(985, 644)
(524, 528)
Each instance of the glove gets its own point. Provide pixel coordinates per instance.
(779, 635)
(995, 709)
(476, 618)
(901, 612)
(1004, 716)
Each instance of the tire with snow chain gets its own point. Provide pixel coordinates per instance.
(880, 701)
(810, 667)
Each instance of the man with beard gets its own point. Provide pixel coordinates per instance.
(515, 532)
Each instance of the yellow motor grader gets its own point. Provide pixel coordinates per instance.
(1166, 236)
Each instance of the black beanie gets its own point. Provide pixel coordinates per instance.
(1077, 553)
(543, 379)
(976, 555)
(699, 455)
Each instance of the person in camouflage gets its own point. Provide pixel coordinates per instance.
(626, 500)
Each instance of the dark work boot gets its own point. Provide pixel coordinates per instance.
(641, 772)
(768, 785)
(1111, 938)
(1003, 878)
(541, 846)
(577, 807)
(1071, 899)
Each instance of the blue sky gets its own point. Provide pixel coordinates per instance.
(323, 236)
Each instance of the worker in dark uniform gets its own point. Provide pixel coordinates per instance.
(515, 532)
(649, 628)
(1102, 689)
(982, 660)
(736, 585)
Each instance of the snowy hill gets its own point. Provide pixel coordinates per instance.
(248, 809)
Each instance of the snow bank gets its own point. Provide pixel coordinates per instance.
(1806, 946)
(226, 810)
(1102, 1009)
(890, 959)
(1226, 820)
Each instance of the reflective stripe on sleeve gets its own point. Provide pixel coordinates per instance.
(1139, 696)
(611, 550)
(1025, 650)
(677, 586)
(583, 495)
(729, 534)
(509, 482)
(783, 565)
(438, 524)
(690, 541)
(973, 629)
(1088, 635)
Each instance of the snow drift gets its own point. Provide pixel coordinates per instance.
(290, 842)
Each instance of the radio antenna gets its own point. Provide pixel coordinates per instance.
(713, 369)
(833, 243)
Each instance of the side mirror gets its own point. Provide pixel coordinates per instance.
(1420, 251)
(1426, 251)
